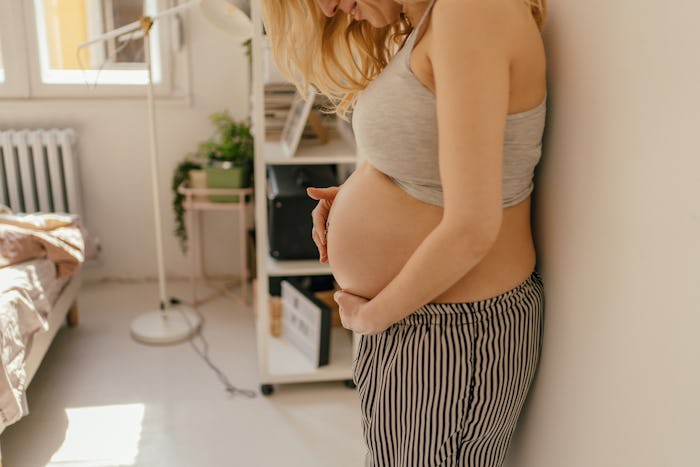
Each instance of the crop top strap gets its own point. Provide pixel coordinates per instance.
(414, 34)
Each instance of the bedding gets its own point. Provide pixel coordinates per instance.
(38, 255)
(59, 237)
(27, 293)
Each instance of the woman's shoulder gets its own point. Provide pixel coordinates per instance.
(497, 16)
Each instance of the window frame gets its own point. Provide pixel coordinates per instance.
(23, 70)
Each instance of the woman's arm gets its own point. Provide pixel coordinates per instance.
(470, 58)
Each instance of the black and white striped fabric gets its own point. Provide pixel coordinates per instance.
(445, 385)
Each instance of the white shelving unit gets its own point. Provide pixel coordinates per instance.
(278, 361)
(309, 267)
(336, 151)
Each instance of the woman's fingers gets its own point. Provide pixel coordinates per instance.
(319, 237)
(321, 248)
(322, 193)
(319, 216)
(325, 197)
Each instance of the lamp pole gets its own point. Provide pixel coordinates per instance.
(146, 25)
(170, 324)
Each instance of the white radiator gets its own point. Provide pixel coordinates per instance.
(39, 171)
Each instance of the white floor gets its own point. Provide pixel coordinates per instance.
(101, 399)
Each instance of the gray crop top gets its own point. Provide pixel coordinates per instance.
(395, 126)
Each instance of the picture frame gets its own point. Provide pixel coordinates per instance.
(296, 121)
(306, 322)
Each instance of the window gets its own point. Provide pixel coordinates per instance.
(39, 54)
(61, 25)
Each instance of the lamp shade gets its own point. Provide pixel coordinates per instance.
(228, 17)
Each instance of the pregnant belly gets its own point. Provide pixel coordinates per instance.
(374, 227)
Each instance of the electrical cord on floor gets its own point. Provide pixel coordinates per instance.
(204, 353)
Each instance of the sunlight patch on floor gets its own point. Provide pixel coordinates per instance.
(101, 436)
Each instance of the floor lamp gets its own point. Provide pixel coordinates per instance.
(171, 324)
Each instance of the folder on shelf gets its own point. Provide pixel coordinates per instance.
(306, 322)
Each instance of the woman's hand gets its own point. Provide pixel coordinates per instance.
(325, 197)
(355, 317)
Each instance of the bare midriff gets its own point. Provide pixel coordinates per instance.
(374, 227)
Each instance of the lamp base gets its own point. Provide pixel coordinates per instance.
(171, 326)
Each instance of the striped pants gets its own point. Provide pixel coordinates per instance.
(445, 385)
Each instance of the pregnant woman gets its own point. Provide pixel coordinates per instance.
(430, 237)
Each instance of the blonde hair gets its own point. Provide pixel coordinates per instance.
(538, 8)
(337, 55)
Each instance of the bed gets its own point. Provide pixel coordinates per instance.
(41, 259)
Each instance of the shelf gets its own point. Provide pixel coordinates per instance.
(335, 151)
(212, 206)
(185, 190)
(191, 201)
(306, 267)
(286, 364)
(279, 361)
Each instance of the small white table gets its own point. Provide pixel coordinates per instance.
(192, 205)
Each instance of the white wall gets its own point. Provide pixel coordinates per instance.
(617, 221)
(115, 164)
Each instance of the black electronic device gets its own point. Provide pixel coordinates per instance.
(289, 208)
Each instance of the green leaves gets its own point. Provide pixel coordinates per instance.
(232, 141)
(182, 174)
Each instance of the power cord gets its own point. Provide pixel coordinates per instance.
(204, 353)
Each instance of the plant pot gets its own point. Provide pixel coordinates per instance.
(234, 177)
(198, 179)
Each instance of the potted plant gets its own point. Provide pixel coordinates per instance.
(229, 153)
(225, 160)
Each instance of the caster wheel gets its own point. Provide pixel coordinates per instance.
(267, 389)
(349, 384)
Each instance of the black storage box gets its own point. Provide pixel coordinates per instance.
(289, 208)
